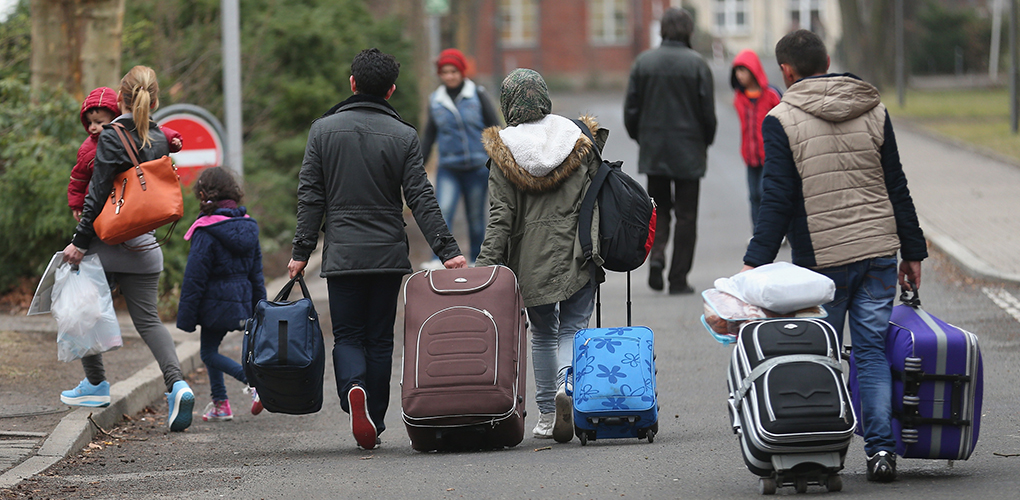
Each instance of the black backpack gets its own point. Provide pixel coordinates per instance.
(626, 215)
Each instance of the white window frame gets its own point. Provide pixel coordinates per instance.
(513, 13)
(804, 8)
(729, 9)
(609, 26)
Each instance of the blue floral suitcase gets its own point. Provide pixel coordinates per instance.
(614, 392)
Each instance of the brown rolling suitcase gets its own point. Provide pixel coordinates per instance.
(465, 357)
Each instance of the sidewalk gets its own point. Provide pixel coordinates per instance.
(966, 201)
(31, 439)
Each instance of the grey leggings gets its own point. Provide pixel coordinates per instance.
(140, 291)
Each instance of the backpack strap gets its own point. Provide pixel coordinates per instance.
(584, 219)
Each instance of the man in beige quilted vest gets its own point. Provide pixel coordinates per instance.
(834, 182)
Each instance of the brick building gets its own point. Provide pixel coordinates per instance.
(573, 43)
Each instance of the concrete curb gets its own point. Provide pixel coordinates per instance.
(973, 265)
(127, 397)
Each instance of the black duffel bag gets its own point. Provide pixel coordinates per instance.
(284, 356)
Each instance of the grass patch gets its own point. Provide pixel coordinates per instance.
(964, 103)
(977, 116)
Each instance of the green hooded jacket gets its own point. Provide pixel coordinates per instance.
(534, 209)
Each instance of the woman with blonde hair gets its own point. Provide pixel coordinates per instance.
(136, 272)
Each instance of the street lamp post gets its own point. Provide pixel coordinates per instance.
(230, 13)
(1014, 71)
(901, 83)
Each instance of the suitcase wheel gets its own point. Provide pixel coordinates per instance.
(834, 483)
(767, 486)
(801, 485)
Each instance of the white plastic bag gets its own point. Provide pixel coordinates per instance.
(780, 287)
(83, 308)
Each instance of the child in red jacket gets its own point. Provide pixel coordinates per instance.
(753, 97)
(99, 108)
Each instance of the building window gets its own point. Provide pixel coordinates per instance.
(519, 22)
(807, 14)
(608, 21)
(731, 16)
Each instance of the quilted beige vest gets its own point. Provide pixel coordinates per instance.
(836, 128)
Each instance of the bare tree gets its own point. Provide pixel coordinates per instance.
(867, 49)
(76, 44)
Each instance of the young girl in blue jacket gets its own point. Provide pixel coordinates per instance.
(222, 281)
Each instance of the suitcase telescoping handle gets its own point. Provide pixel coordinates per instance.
(598, 304)
(285, 291)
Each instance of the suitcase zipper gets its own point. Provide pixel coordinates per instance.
(495, 329)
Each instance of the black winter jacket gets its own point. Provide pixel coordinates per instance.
(670, 111)
(223, 279)
(360, 157)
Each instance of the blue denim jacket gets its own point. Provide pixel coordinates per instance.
(459, 127)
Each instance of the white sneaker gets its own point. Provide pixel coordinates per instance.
(544, 429)
(563, 427)
(432, 265)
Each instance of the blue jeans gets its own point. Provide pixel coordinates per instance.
(217, 364)
(552, 342)
(474, 185)
(754, 192)
(363, 309)
(867, 289)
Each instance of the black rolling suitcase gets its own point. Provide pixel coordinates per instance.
(788, 403)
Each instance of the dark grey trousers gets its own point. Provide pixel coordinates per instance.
(140, 291)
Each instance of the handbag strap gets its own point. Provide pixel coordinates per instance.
(127, 141)
(285, 292)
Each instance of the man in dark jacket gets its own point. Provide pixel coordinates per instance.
(833, 180)
(360, 156)
(670, 111)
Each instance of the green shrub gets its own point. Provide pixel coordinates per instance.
(39, 138)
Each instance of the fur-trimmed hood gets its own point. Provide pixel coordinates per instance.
(530, 174)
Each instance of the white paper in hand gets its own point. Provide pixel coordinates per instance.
(44, 292)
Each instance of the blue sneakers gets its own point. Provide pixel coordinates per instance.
(181, 402)
(86, 394)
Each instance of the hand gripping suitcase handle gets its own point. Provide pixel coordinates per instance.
(285, 292)
(910, 297)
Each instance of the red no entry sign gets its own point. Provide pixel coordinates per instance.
(203, 146)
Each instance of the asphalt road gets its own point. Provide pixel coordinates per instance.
(695, 455)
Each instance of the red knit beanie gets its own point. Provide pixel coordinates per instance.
(452, 57)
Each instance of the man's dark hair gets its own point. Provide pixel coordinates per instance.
(804, 51)
(677, 25)
(374, 72)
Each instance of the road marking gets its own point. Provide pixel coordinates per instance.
(1005, 300)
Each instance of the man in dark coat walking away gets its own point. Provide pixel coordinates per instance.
(670, 112)
(360, 157)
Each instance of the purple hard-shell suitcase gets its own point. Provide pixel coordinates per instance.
(937, 384)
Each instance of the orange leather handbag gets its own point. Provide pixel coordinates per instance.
(143, 198)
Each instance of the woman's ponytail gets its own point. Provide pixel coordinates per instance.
(140, 91)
